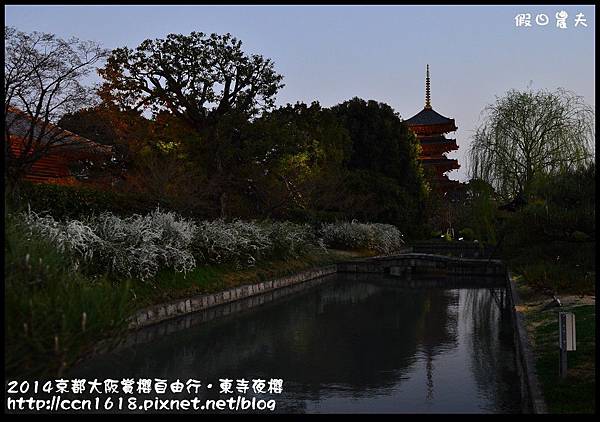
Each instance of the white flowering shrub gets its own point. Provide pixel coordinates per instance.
(382, 238)
(387, 239)
(140, 245)
(136, 246)
(289, 240)
(73, 237)
(239, 242)
(246, 242)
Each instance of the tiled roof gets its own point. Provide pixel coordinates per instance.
(428, 116)
(436, 140)
(19, 125)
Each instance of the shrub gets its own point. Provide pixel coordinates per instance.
(289, 240)
(242, 243)
(79, 201)
(467, 233)
(386, 239)
(139, 246)
(382, 238)
(136, 246)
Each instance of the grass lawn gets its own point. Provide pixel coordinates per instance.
(576, 393)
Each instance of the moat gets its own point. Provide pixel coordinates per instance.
(348, 345)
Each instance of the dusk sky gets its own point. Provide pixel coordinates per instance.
(333, 53)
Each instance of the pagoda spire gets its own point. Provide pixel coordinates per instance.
(427, 90)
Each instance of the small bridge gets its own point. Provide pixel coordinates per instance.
(412, 263)
(460, 249)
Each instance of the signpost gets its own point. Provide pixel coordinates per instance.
(566, 339)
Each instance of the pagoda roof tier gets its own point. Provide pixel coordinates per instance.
(434, 140)
(421, 130)
(446, 184)
(428, 116)
(437, 149)
(447, 163)
(428, 121)
(438, 160)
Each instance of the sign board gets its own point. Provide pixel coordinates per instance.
(566, 332)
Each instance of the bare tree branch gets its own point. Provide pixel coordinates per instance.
(42, 82)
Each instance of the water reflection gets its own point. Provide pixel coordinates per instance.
(348, 345)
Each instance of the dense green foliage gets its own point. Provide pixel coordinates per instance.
(74, 202)
(473, 215)
(564, 205)
(551, 240)
(299, 162)
(549, 237)
(384, 165)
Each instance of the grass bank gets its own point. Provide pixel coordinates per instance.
(565, 269)
(169, 285)
(577, 392)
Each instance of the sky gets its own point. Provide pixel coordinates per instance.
(333, 53)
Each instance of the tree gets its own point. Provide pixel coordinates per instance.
(526, 133)
(149, 154)
(296, 151)
(207, 81)
(198, 77)
(42, 81)
(383, 170)
(381, 142)
(126, 132)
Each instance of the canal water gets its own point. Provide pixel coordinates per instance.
(347, 346)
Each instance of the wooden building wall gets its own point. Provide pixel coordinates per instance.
(53, 168)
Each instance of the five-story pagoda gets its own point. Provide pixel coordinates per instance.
(429, 126)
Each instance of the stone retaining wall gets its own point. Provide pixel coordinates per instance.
(173, 325)
(531, 391)
(157, 313)
(453, 266)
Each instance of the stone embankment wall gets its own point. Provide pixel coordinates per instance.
(157, 313)
(531, 391)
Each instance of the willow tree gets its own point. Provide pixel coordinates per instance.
(527, 133)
